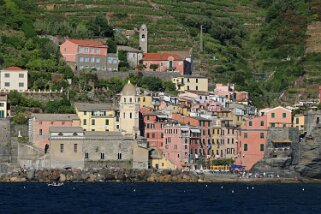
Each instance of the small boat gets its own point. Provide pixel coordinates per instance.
(56, 184)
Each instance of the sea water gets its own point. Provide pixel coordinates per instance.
(160, 198)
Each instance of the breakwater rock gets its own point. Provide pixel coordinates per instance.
(102, 175)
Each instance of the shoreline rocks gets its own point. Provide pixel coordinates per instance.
(131, 175)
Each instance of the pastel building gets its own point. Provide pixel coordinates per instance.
(14, 79)
(298, 122)
(191, 83)
(40, 124)
(88, 54)
(176, 144)
(97, 116)
(166, 62)
(152, 129)
(277, 117)
(252, 141)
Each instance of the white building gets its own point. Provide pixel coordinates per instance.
(3, 106)
(14, 78)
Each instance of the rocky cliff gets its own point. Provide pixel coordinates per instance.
(309, 154)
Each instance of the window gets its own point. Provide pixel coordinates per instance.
(92, 50)
(130, 115)
(97, 60)
(61, 148)
(93, 122)
(21, 84)
(1, 104)
(2, 114)
(86, 59)
(7, 75)
(102, 156)
(196, 80)
(284, 125)
(81, 59)
(250, 123)
(245, 147)
(297, 120)
(7, 84)
(130, 100)
(262, 135)
(40, 131)
(153, 135)
(21, 75)
(92, 59)
(80, 50)
(147, 135)
(284, 115)
(262, 123)
(75, 148)
(97, 51)
(119, 156)
(272, 125)
(85, 122)
(86, 50)
(261, 147)
(107, 122)
(85, 112)
(273, 115)
(86, 155)
(196, 88)
(162, 135)
(245, 135)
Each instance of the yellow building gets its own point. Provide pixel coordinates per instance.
(191, 83)
(298, 122)
(146, 101)
(3, 106)
(216, 139)
(97, 116)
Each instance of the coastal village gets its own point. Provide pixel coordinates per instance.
(203, 126)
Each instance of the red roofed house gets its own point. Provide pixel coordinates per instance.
(88, 54)
(166, 62)
(14, 78)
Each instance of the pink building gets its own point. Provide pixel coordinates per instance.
(88, 54)
(152, 129)
(166, 62)
(39, 125)
(176, 144)
(226, 91)
(201, 148)
(252, 141)
(278, 117)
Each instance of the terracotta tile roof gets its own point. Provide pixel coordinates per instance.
(13, 69)
(160, 56)
(87, 42)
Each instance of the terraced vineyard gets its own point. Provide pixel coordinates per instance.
(165, 18)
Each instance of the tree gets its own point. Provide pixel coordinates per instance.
(20, 118)
(154, 66)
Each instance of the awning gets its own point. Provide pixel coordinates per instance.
(281, 141)
(195, 131)
(162, 116)
(235, 166)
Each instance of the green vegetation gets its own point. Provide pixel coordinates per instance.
(259, 44)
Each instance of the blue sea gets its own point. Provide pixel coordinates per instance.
(160, 198)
